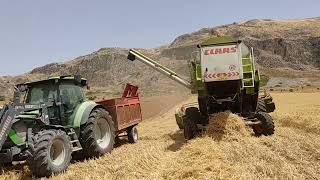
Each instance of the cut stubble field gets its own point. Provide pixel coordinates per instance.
(227, 151)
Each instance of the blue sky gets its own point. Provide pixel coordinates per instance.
(38, 32)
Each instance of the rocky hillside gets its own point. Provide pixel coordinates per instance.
(281, 46)
(278, 43)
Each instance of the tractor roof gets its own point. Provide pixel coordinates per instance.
(76, 79)
(219, 41)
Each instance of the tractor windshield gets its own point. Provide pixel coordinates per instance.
(71, 95)
(41, 93)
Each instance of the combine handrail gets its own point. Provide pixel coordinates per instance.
(158, 67)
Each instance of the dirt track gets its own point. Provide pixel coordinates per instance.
(292, 153)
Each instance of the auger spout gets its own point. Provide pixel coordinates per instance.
(133, 54)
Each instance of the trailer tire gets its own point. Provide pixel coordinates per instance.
(261, 106)
(97, 135)
(50, 153)
(133, 135)
(266, 127)
(190, 123)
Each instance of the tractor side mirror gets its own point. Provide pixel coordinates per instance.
(77, 78)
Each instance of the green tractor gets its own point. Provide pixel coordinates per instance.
(49, 121)
(225, 78)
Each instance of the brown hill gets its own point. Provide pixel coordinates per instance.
(283, 48)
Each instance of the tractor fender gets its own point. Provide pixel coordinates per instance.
(83, 112)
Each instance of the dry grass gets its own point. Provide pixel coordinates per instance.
(227, 151)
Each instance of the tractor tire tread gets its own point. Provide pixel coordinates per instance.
(87, 134)
(38, 159)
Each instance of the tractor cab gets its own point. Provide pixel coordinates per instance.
(62, 95)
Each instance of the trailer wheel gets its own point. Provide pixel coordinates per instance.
(132, 134)
(261, 106)
(190, 127)
(50, 153)
(97, 136)
(266, 127)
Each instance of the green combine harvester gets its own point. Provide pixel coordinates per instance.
(225, 78)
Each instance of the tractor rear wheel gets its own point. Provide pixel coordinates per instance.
(50, 153)
(97, 136)
(261, 106)
(132, 133)
(266, 127)
(190, 123)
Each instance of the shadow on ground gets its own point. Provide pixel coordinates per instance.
(179, 141)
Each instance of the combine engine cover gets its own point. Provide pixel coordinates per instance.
(221, 63)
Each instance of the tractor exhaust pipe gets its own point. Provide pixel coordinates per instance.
(133, 54)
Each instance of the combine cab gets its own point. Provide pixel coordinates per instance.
(225, 78)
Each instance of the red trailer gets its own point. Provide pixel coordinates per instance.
(125, 112)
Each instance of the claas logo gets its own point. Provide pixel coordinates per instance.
(226, 50)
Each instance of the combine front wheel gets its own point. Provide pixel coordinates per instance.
(190, 123)
(266, 127)
(261, 106)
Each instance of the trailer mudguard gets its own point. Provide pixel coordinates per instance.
(82, 113)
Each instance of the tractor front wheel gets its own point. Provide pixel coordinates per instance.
(50, 153)
(190, 123)
(266, 127)
(97, 136)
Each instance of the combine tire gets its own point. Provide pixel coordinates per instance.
(190, 126)
(98, 134)
(261, 106)
(266, 127)
(132, 133)
(50, 153)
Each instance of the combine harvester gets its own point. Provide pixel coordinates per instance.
(49, 121)
(225, 78)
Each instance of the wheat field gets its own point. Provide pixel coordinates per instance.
(224, 152)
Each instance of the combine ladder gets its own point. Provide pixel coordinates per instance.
(248, 71)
